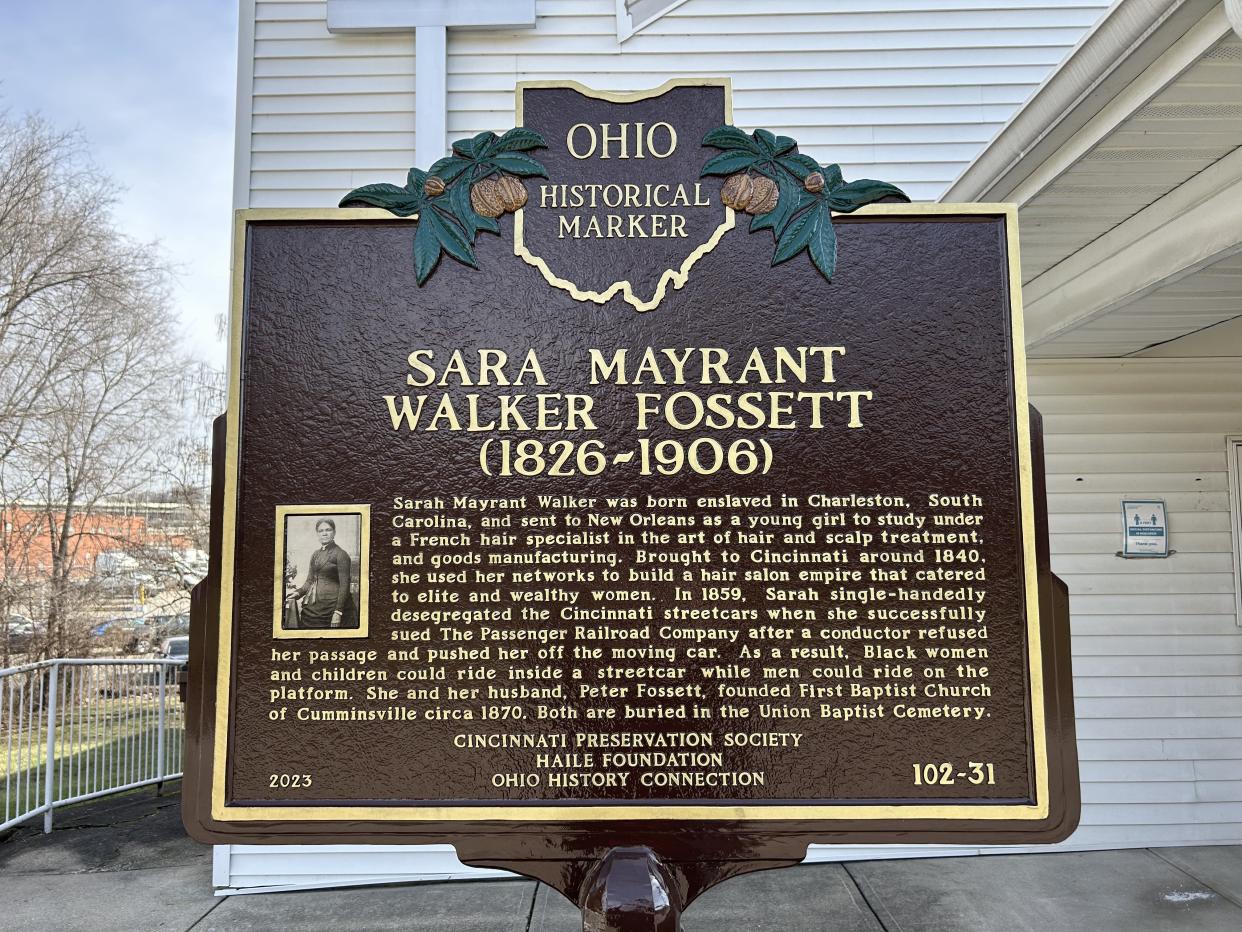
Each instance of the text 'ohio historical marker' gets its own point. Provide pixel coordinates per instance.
(629, 478)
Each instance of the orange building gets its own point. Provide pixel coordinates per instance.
(98, 540)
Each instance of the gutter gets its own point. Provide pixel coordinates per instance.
(1130, 37)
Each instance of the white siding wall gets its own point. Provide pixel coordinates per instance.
(908, 94)
(1157, 645)
(327, 113)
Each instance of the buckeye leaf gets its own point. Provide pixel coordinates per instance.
(449, 167)
(729, 137)
(798, 165)
(388, 196)
(784, 144)
(823, 243)
(833, 178)
(517, 163)
(483, 143)
(772, 144)
(426, 249)
(726, 163)
(414, 180)
(470, 148)
(411, 207)
(856, 194)
(796, 236)
(519, 138)
(450, 234)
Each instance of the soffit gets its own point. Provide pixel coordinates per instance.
(1190, 125)
(1200, 299)
(1126, 166)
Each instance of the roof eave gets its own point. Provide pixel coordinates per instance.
(1127, 40)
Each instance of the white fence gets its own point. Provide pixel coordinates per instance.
(72, 730)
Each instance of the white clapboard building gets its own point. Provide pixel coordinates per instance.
(1118, 132)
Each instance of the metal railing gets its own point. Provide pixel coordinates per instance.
(72, 730)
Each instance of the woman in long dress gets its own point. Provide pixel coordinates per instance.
(326, 600)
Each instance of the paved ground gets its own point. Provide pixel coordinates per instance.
(125, 864)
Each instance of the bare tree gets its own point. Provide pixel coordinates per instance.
(61, 260)
(89, 369)
(19, 553)
(101, 428)
(55, 224)
(185, 460)
(172, 547)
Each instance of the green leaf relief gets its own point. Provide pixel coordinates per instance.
(475, 147)
(388, 196)
(798, 165)
(796, 236)
(729, 137)
(450, 234)
(414, 181)
(450, 167)
(856, 194)
(728, 162)
(823, 244)
(435, 234)
(516, 163)
(771, 144)
(766, 141)
(426, 251)
(448, 222)
(801, 219)
(519, 139)
(784, 144)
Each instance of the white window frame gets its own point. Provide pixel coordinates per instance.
(1233, 454)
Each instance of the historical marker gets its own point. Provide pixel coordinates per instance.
(630, 482)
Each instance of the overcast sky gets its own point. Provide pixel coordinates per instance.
(151, 85)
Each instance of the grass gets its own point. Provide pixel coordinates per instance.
(103, 742)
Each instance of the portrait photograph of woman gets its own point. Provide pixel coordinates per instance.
(321, 555)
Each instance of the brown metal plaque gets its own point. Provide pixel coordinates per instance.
(630, 540)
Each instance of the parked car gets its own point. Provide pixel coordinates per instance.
(171, 625)
(176, 648)
(21, 632)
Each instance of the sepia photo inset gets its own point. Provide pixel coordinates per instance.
(321, 571)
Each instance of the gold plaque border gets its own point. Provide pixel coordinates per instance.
(364, 568)
(587, 812)
(676, 277)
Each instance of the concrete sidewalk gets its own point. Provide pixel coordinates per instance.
(125, 864)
